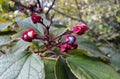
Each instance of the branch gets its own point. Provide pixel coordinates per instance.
(78, 7)
(50, 7)
(2, 52)
(39, 3)
(66, 15)
(19, 3)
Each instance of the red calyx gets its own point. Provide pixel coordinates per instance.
(70, 39)
(29, 35)
(65, 47)
(80, 29)
(36, 18)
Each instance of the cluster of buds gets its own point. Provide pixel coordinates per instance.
(69, 43)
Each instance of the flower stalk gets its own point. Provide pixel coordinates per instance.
(51, 43)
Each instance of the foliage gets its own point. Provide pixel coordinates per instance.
(42, 58)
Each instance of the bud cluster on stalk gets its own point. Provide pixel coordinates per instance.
(70, 42)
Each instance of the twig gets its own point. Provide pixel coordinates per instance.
(66, 15)
(50, 7)
(64, 33)
(2, 52)
(19, 3)
(78, 7)
(53, 52)
(39, 3)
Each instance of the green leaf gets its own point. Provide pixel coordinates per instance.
(78, 52)
(23, 66)
(49, 68)
(45, 21)
(115, 61)
(20, 47)
(27, 23)
(24, 23)
(5, 6)
(59, 25)
(84, 67)
(62, 71)
(5, 40)
(58, 31)
(89, 46)
(4, 26)
(7, 33)
(18, 35)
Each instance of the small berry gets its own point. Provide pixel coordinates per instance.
(80, 29)
(70, 39)
(29, 35)
(36, 18)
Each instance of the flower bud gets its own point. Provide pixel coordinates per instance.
(64, 47)
(80, 29)
(29, 35)
(36, 18)
(73, 46)
(70, 39)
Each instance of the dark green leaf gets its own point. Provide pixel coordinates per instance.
(59, 25)
(49, 68)
(89, 46)
(62, 71)
(78, 52)
(115, 61)
(7, 33)
(84, 67)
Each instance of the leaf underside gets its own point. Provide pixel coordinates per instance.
(22, 66)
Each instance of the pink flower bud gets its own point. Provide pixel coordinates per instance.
(36, 18)
(29, 35)
(73, 46)
(80, 29)
(70, 39)
(64, 47)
